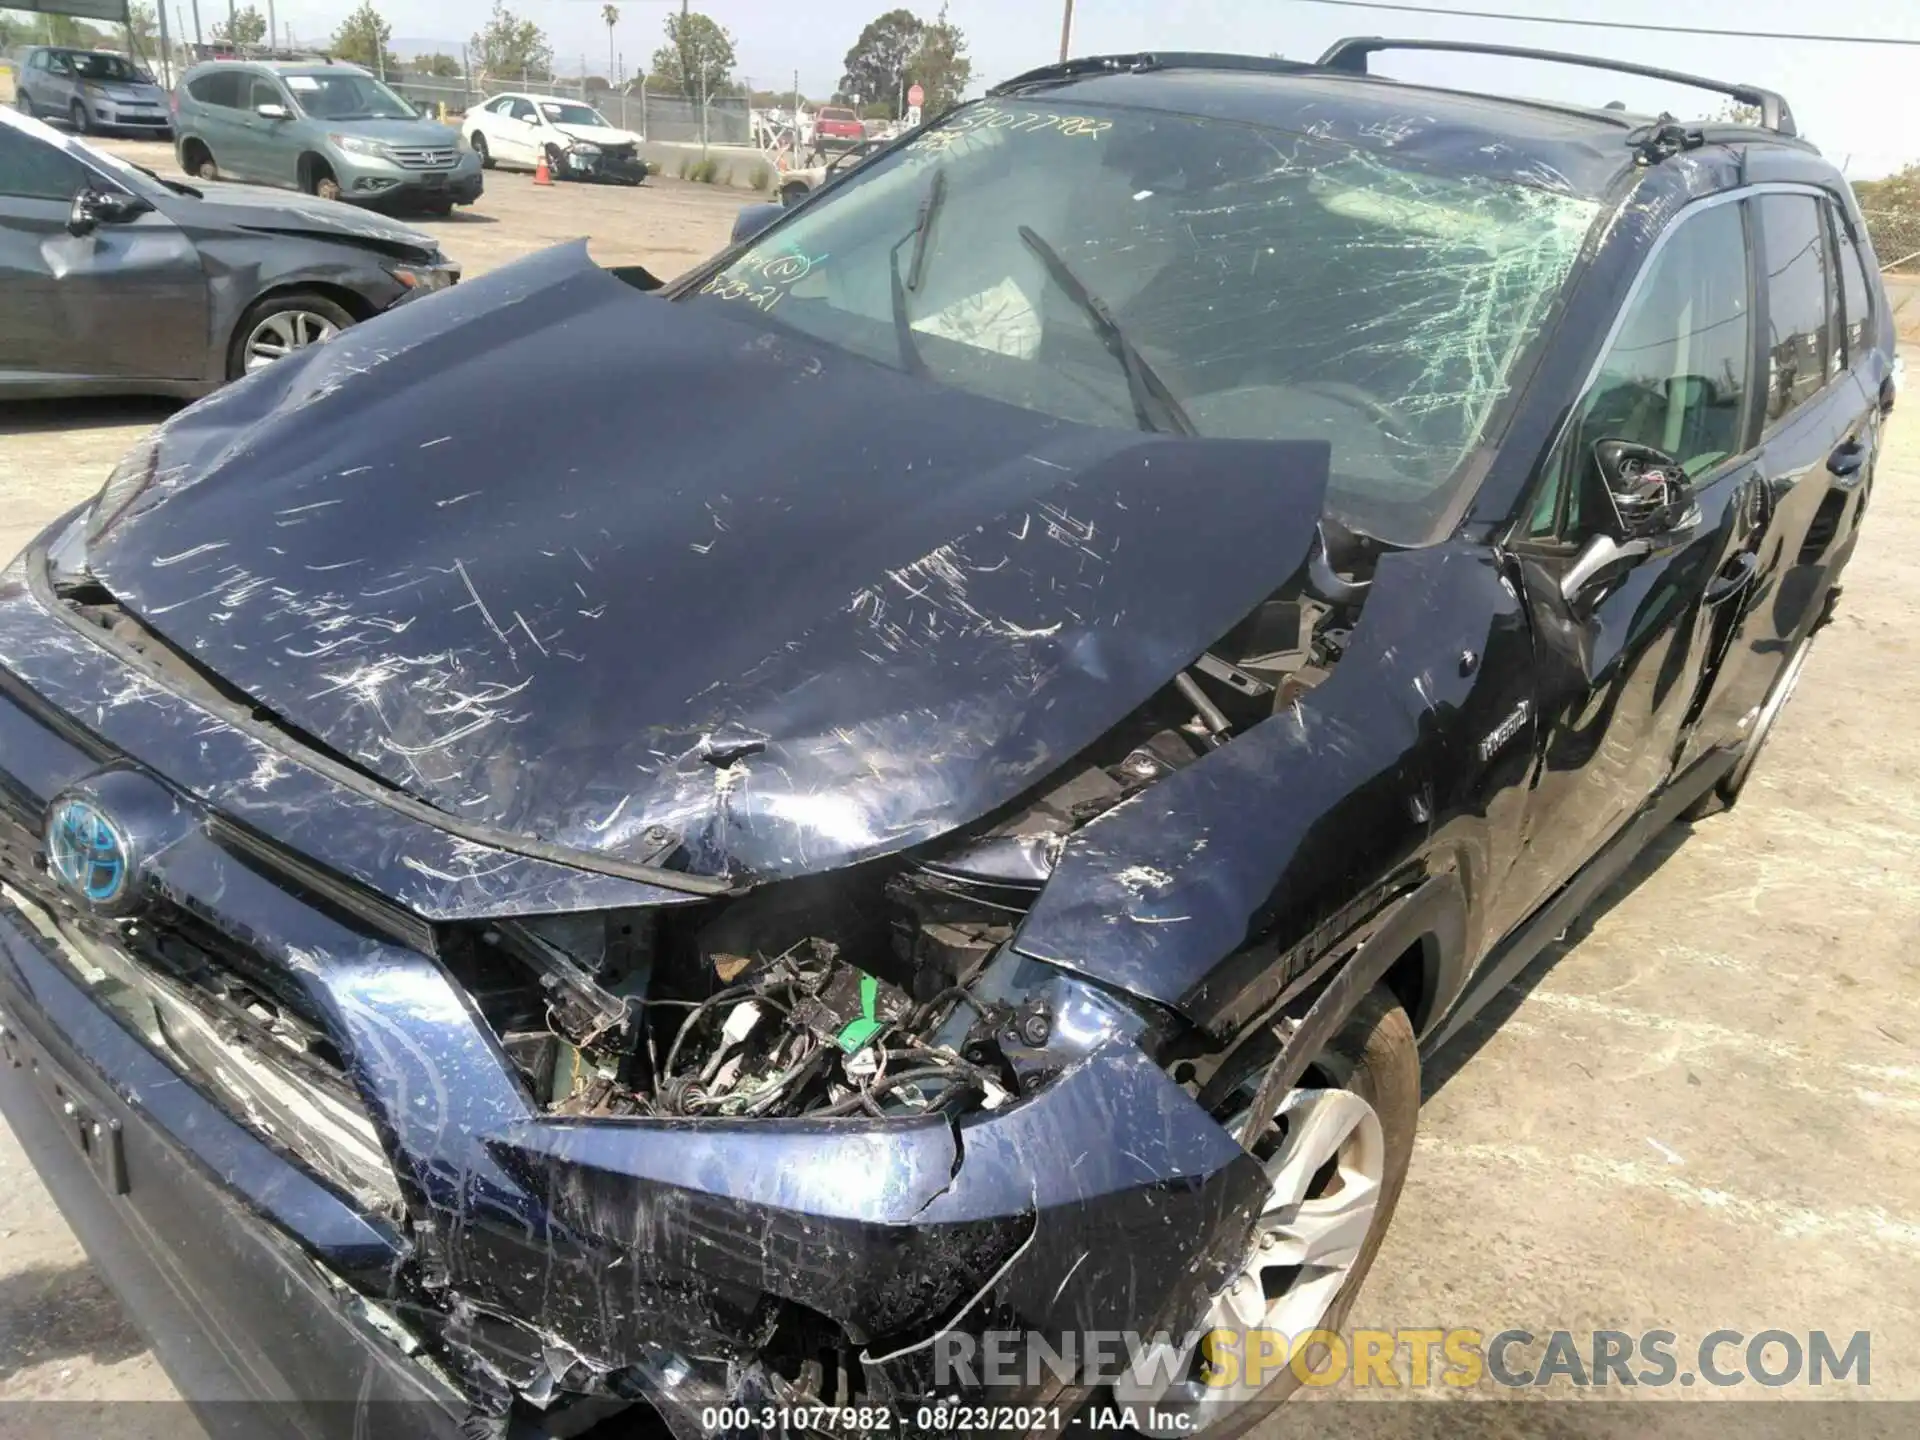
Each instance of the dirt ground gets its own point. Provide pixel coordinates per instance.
(1704, 1112)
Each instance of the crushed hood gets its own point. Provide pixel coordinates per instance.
(219, 205)
(599, 134)
(564, 558)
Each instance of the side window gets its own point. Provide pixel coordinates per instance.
(31, 169)
(263, 92)
(1800, 301)
(1676, 376)
(1855, 292)
(39, 60)
(59, 64)
(220, 88)
(523, 110)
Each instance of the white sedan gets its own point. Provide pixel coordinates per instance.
(576, 141)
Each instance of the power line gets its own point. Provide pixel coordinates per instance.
(1618, 24)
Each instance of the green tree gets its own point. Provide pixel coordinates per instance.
(510, 47)
(247, 27)
(362, 38)
(62, 30)
(876, 66)
(697, 58)
(941, 67)
(143, 33)
(610, 17)
(441, 67)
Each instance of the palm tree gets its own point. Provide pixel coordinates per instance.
(611, 14)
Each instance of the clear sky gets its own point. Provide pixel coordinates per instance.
(1856, 102)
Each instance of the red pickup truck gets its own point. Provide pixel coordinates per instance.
(835, 127)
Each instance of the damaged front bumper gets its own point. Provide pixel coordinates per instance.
(618, 164)
(528, 1268)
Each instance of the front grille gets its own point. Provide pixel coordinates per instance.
(422, 158)
(20, 856)
(617, 152)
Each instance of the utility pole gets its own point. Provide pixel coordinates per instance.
(166, 46)
(1066, 30)
(273, 28)
(199, 40)
(233, 24)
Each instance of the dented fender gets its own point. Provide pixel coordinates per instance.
(1382, 776)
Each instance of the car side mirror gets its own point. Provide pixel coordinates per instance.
(271, 111)
(1649, 490)
(94, 208)
(1602, 558)
(752, 219)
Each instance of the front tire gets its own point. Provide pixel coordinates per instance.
(23, 102)
(792, 193)
(1336, 1155)
(282, 325)
(479, 143)
(320, 181)
(77, 118)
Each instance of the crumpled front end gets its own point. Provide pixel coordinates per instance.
(553, 1165)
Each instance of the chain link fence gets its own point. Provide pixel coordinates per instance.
(649, 114)
(1896, 238)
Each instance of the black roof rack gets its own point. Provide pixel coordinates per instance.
(1149, 60)
(1350, 55)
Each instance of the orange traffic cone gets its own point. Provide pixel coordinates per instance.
(541, 174)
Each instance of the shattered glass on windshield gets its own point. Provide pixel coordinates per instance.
(1275, 285)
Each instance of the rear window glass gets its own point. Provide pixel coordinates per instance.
(223, 87)
(1801, 343)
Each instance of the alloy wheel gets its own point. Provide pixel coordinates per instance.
(1325, 1159)
(278, 336)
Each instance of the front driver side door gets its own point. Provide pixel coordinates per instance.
(1621, 661)
(519, 132)
(125, 301)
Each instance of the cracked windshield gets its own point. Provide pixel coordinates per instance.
(1126, 268)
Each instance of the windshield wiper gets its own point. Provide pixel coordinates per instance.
(174, 185)
(910, 355)
(923, 228)
(1153, 403)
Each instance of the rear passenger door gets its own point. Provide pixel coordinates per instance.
(1821, 432)
(217, 98)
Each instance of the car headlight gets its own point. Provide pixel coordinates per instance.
(123, 487)
(581, 147)
(424, 279)
(360, 145)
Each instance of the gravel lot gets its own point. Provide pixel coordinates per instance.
(1704, 1112)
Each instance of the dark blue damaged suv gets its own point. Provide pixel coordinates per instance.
(542, 928)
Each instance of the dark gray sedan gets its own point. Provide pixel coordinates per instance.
(119, 282)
